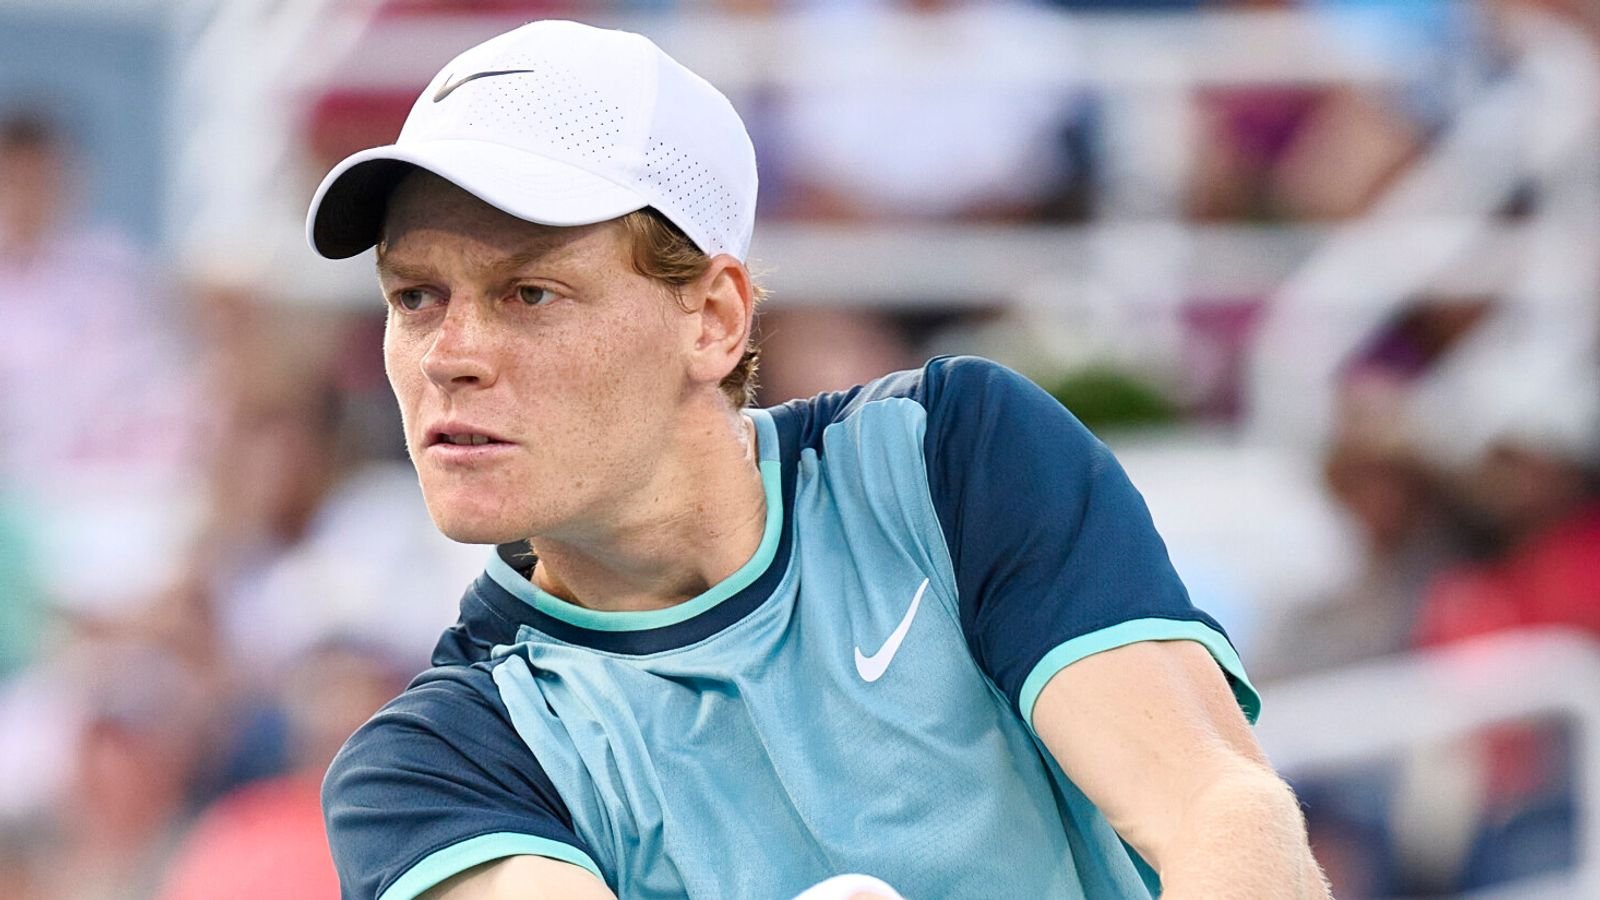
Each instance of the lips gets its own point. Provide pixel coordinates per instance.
(451, 434)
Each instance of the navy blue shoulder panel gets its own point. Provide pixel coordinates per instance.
(438, 765)
(1049, 539)
(808, 419)
(483, 626)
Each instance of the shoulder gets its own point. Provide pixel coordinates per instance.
(964, 434)
(941, 379)
(964, 412)
(960, 394)
(422, 730)
(427, 728)
(437, 776)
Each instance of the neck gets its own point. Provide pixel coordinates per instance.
(701, 519)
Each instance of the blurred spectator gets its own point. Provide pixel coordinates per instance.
(88, 327)
(1533, 454)
(301, 474)
(1549, 512)
(1584, 14)
(1398, 505)
(808, 350)
(302, 625)
(1536, 483)
(1128, 5)
(1286, 153)
(138, 747)
(1294, 152)
(22, 611)
(265, 840)
(32, 166)
(19, 847)
(97, 417)
(334, 582)
(908, 139)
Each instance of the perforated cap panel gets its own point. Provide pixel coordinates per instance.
(554, 111)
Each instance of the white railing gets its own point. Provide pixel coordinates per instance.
(250, 65)
(1538, 126)
(237, 162)
(1385, 708)
(240, 193)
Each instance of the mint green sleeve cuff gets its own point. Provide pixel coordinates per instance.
(457, 858)
(1132, 632)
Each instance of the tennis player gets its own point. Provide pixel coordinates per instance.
(922, 631)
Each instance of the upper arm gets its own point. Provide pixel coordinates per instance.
(522, 878)
(1071, 605)
(1055, 555)
(1142, 730)
(436, 783)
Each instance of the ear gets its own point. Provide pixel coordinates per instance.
(722, 309)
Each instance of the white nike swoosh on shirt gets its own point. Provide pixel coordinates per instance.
(871, 668)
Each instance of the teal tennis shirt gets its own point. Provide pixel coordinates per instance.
(858, 697)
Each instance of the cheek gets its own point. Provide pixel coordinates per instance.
(401, 365)
(636, 368)
(609, 394)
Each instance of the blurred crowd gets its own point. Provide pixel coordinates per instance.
(215, 562)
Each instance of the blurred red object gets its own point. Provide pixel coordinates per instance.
(263, 841)
(1552, 579)
(344, 121)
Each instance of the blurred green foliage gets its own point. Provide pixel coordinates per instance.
(1109, 400)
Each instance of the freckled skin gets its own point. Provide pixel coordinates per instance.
(589, 387)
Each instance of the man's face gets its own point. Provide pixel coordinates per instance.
(538, 374)
(32, 190)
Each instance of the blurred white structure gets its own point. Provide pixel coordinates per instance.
(253, 67)
(1389, 707)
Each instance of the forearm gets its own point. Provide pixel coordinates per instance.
(1151, 734)
(1241, 836)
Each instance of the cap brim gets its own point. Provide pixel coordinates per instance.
(347, 213)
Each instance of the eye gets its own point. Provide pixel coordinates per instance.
(414, 299)
(533, 295)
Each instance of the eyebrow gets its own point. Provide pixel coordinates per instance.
(401, 271)
(536, 248)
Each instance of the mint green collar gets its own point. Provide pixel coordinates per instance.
(596, 620)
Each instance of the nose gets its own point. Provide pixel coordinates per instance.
(460, 355)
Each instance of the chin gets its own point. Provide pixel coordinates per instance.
(477, 533)
(469, 523)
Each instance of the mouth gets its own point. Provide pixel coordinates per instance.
(451, 437)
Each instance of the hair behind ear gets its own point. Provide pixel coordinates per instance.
(663, 252)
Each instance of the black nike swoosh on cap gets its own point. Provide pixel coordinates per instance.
(449, 86)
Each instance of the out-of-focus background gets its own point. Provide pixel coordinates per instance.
(1325, 273)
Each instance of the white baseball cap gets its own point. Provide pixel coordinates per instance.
(561, 124)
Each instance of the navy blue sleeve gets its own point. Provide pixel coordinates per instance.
(436, 782)
(1054, 550)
